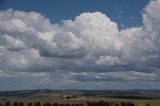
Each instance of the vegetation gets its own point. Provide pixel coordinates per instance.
(77, 102)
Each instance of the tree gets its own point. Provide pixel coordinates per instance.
(55, 104)
(15, 104)
(68, 97)
(81, 104)
(4, 99)
(116, 104)
(29, 104)
(111, 103)
(47, 104)
(107, 104)
(123, 104)
(21, 104)
(88, 103)
(37, 104)
(130, 104)
(67, 104)
(7, 103)
(61, 104)
(147, 104)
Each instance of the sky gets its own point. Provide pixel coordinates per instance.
(127, 13)
(60, 44)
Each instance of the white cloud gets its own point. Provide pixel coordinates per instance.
(89, 43)
(11, 43)
(109, 61)
(21, 74)
(97, 30)
(123, 76)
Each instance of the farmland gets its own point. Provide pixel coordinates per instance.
(79, 98)
(76, 102)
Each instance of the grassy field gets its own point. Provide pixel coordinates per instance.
(152, 102)
(138, 102)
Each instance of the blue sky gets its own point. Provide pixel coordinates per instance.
(79, 44)
(127, 13)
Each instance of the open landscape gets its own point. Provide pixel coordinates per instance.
(79, 52)
(47, 97)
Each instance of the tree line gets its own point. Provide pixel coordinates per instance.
(101, 103)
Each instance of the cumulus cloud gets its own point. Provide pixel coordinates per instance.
(97, 30)
(90, 46)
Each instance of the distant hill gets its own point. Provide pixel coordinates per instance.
(38, 93)
(128, 94)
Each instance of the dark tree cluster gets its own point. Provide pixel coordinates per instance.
(47, 104)
(18, 104)
(147, 104)
(56, 104)
(37, 104)
(7, 103)
(102, 103)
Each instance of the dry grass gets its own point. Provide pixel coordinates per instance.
(79, 101)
